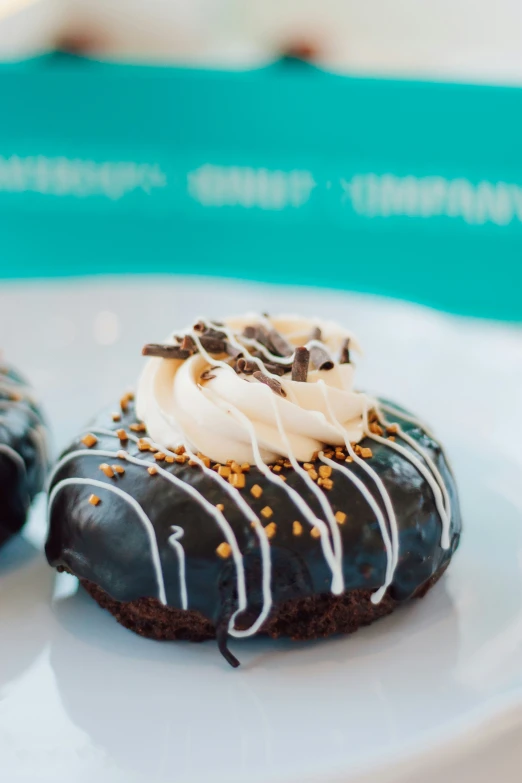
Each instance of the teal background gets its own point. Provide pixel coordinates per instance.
(286, 117)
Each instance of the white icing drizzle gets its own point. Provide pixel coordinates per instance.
(266, 558)
(430, 473)
(194, 493)
(337, 572)
(363, 489)
(390, 511)
(330, 555)
(147, 524)
(24, 394)
(387, 408)
(245, 508)
(174, 538)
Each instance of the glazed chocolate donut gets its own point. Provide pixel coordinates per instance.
(251, 490)
(23, 451)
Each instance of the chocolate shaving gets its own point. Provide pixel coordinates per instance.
(345, 352)
(209, 331)
(246, 367)
(276, 369)
(232, 351)
(270, 339)
(215, 333)
(316, 334)
(300, 364)
(249, 368)
(272, 384)
(279, 344)
(188, 344)
(320, 358)
(186, 349)
(213, 344)
(165, 351)
(207, 375)
(263, 337)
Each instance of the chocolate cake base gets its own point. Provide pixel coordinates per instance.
(313, 617)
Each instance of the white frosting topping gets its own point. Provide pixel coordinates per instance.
(178, 406)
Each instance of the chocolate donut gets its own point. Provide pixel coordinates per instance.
(23, 451)
(251, 490)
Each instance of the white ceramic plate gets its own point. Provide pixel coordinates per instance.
(433, 692)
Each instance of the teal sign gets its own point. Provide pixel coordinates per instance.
(283, 174)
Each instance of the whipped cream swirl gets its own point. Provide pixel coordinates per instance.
(203, 403)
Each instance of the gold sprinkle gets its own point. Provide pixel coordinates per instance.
(277, 468)
(138, 427)
(94, 500)
(376, 429)
(245, 467)
(393, 428)
(160, 456)
(121, 455)
(143, 445)
(237, 480)
(315, 532)
(192, 463)
(340, 517)
(349, 459)
(204, 459)
(90, 440)
(124, 402)
(180, 459)
(267, 512)
(313, 474)
(116, 417)
(224, 471)
(235, 468)
(283, 478)
(329, 453)
(122, 435)
(326, 483)
(224, 550)
(308, 466)
(256, 491)
(220, 506)
(287, 463)
(325, 471)
(297, 528)
(169, 458)
(271, 529)
(366, 453)
(152, 470)
(179, 450)
(392, 438)
(315, 456)
(118, 469)
(107, 470)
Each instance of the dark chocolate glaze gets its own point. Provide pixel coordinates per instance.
(107, 543)
(22, 431)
